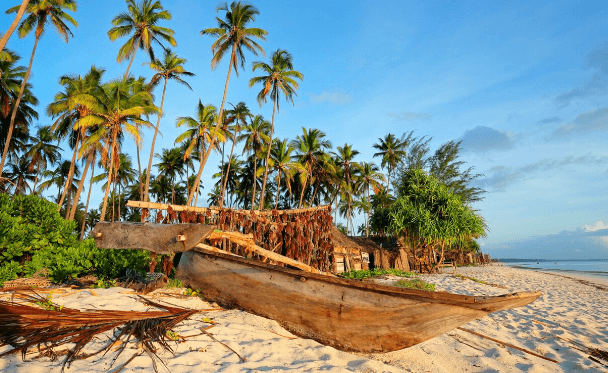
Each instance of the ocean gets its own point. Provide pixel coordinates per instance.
(595, 268)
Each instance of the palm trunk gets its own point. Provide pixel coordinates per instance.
(367, 220)
(160, 114)
(119, 198)
(67, 204)
(141, 185)
(388, 182)
(196, 182)
(13, 26)
(108, 184)
(302, 194)
(217, 126)
(274, 107)
(11, 126)
(255, 179)
(276, 202)
(223, 190)
(80, 187)
(36, 179)
(68, 181)
(131, 62)
(86, 209)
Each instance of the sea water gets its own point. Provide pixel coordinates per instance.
(595, 268)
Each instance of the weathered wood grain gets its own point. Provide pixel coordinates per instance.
(164, 206)
(346, 314)
(158, 238)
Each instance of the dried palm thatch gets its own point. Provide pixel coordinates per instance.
(26, 326)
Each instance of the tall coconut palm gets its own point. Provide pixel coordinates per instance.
(171, 164)
(140, 22)
(13, 26)
(232, 34)
(281, 161)
(93, 154)
(229, 176)
(392, 151)
(69, 112)
(237, 116)
(20, 175)
(116, 109)
(40, 14)
(370, 178)
(255, 137)
(11, 78)
(170, 68)
(310, 147)
(43, 152)
(280, 78)
(56, 177)
(344, 157)
(198, 136)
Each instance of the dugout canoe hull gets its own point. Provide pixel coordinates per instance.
(346, 314)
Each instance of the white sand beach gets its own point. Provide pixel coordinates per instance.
(569, 317)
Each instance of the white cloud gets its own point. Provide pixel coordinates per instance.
(331, 97)
(598, 225)
(409, 116)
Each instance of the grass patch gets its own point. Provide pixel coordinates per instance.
(415, 283)
(367, 273)
(174, 283)
(470, 278)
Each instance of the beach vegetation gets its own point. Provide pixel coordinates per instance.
(415, 283)
(192, 292)
(376, 272)
(174, 283)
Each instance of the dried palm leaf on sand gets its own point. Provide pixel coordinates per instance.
(26, 326)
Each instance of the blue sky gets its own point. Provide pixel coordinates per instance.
(523, 84)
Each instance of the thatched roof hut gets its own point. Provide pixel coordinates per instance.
(346, 254)
(383, 257)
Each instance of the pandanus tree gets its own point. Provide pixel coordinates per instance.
(428, 216)
(40, 13)
(392, 151)
(70, 111)
(140, 23)
(237, 119)
(280, 78)
(198, 135)
(232, 35)
(169, 68)
(255, 137)
(114, 110)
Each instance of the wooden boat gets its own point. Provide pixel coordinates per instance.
(349, 315)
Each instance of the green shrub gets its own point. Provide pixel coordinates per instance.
(415, 283)
(33, 236)
(366, 273)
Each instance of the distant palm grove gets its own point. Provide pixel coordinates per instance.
(98, 116)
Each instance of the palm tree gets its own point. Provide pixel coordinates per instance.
(171, 67)
(93, 154)
(40, 13)
(42, 152)
(232, 34)
(11, 78)
(198, 137)
(310, 147)
(116, 109)
(370, 177)
(229, 176)
(140, 21)
(238, 117)
(19, 175)
(281, 161)
(392, 151)
(255, 137)
(280, 78)
(344, 157)
(69, 112)
(13, 26)
(171, 164)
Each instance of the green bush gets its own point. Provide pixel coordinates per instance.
(366, 273)
(33, 236)
(415, 283)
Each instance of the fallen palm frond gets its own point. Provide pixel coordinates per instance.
(26, 326)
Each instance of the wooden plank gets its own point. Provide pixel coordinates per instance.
(158, 238)
(164, 206)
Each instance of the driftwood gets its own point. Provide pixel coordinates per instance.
(164, 206)
(346, 314)
(158, 238)
(508, 345)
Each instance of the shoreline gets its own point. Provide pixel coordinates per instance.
(597, 277)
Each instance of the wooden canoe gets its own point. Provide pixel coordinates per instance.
(346, 314)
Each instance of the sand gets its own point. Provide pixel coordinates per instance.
(567, 310)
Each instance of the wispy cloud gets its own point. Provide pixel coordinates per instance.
(500, 177)
(409, 116)
(549, 120)
(482, 139)
(330, 97)
(591, 121)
